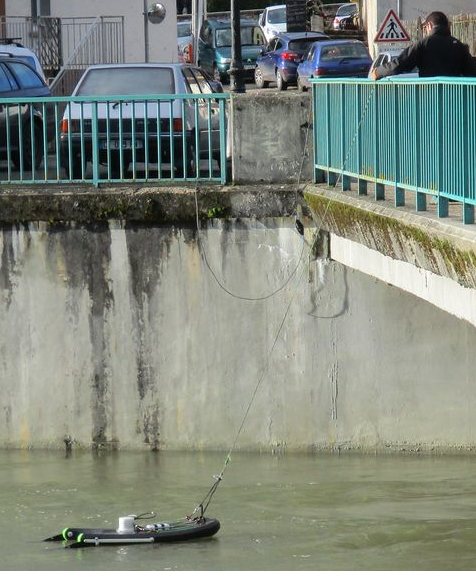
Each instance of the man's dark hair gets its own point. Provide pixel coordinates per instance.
(437, 19)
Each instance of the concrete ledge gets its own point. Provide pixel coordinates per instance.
(433, 244)
(148, 203)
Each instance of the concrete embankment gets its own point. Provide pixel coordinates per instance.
(126, 324)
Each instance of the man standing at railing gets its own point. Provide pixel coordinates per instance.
(437, 54)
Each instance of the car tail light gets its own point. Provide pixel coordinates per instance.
(291, 56)
(69, 126)
(178, 125)
(321, 71)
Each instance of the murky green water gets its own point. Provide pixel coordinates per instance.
(277, 513)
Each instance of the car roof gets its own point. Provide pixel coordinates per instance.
(278, 7)
(300, 35)
(340, 42)
(226, 23)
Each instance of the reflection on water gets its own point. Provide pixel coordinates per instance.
(277, 512)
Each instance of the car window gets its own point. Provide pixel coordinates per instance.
(311, 53)
(190, 81)
(4, 83)
(252, 36)
(302, 45)
(223, 37)
(184, 29)
(128, 81)
(279, 45)
(272, 45)
(202, 81)
(277, 16)
(347, 10)
(27, 78)
(340, 51)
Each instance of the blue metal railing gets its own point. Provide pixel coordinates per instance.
(163, 138)
(411, 134)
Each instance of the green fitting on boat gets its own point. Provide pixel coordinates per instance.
(80, 537)
(65, 531)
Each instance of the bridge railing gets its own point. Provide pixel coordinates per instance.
(71, 140)
(415, 135)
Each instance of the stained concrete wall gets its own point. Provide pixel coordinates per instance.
(271, 137)
(118, 334)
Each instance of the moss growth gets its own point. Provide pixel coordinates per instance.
(395, 238)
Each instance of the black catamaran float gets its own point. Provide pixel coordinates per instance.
(128, 532)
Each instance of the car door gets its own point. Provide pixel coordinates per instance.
(266, 62)
(206, 49)
(306, 66)
(208, 110)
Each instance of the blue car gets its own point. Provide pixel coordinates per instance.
(280, 58)
(334, 58)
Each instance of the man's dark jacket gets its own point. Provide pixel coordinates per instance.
(436, 54)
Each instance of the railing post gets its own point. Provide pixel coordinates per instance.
(442, 201)
(95, 150)
(345, 178)
(361, 183)
(399, 192)
(379, 188)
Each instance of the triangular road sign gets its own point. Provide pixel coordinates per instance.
(392, 30)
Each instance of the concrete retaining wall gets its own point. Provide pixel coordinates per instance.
(271, 137)
(118, 334)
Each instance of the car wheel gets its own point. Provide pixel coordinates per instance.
(76, 171)
(27, 147)
(281, 84)
(260, 82)
(191, 166)
(115, 167)
(300, 84)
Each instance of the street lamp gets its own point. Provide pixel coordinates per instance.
(155, 15)
(237, 83)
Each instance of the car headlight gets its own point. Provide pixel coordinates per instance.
(225, 60)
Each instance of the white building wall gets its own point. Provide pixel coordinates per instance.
(162, 37)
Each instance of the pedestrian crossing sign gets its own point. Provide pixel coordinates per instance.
(392, 30)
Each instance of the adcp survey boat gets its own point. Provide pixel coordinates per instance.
(129, 532)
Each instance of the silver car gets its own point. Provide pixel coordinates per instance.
(172, 133)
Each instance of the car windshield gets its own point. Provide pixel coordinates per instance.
(128, 81)
(347, 10)
(341, 51)
(184, 29)
(277, 16)
(28, 59)
(302, 46)
(250, 35)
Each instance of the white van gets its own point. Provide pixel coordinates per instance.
(273, 21)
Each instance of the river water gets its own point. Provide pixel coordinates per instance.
(278, 513)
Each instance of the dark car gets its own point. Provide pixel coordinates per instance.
(334, 58)
(165, 130)
(214, 47)
(281, 57)
(21, 125)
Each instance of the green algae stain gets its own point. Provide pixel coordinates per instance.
(395, 238)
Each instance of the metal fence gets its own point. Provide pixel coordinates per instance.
(411, 134)
(56, 40)
(169, 138)
(101, 42)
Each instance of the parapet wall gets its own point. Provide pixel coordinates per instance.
(154, 334)
(271, 137)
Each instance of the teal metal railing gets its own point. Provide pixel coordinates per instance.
(414, 135)
(164, 138)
